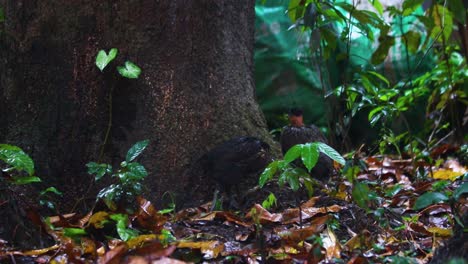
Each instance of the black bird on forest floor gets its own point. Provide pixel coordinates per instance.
(298, 133)
(232, 161)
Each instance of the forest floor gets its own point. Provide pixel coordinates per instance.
(394, 211)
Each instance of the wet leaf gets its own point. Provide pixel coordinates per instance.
(330, 152)
(293, 153)
(268, 173)
(429, 198)
(99, 170)
(114, 255)
(136, 150)
(15, 157)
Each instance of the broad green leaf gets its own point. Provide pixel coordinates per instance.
(103, 59)
(293, 153)
(462, 189)
(429, 198)
(25, 180)
(130, 70)
(51, 190)
(2, 15)
(98, 169)
(136, 150)
(124, 232)
(361, 194)
(74, 232)
(330, 152)
(310, 155)
(268, 173)
(377, 5)
(17, 158)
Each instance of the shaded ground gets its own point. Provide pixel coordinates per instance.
(328, 228)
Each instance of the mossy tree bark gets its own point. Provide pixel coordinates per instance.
(196, 87)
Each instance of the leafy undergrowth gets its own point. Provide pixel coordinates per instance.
(407, 209)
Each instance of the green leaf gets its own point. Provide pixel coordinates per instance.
(292, 177)
(310, 155)
(375, 114)
(269, 202)
(136, 150)
(74, 232)
(124, 232)
(462, 189)
(130, 70)
(330, 152)
(98, 169)
(443, 23)
(51, 190)
(293, 153)
(25, 180)
(458, 10)
(15, 157)
(393, 190)
(109, 194)
(268, 173)
(361, 194)
(380, 76)
(135, 172)
(429, 198)
(103, 59)
(377, 5)
(409, 6)
(296, 10)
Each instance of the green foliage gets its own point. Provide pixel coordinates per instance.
(136, 150)
(130, 70)
(429, 198)
(102, 58)
(124, 232)
(269, 202)
(167, 237)
(129, 177)
(74, 232)
(16, 158)
(296, 176)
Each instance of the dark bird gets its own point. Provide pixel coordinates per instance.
(298, 133)
(232, 161)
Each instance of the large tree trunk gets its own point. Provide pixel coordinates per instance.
(196, 87)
